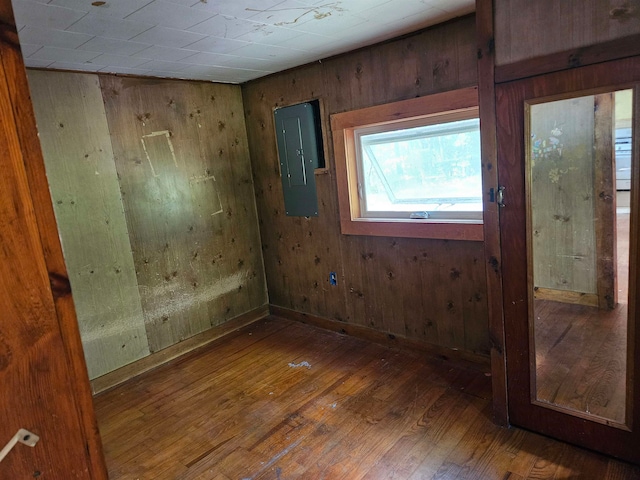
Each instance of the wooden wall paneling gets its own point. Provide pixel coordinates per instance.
(355, 283)
(475, 303)
(413, 320)
(561, 195)
(359, 75)
(328, 257)
(312, 251)
(146, 127)
(389, 292)
(443, 62)
(443, 298)
(526, 30)
(303, 255)
(266, 179)
(241, 231)
(491, 210)
(366, 295)
(190, 233)
(428, 265)
(374, 294)
(398, 69)
(613, 50)
(86, 194)
(42, 367)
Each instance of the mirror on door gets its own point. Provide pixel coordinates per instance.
(578, 212)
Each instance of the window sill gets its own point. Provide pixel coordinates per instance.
(471, 230)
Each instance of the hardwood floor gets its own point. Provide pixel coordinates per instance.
(284, 400)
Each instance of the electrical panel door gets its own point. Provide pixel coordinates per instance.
(300, 153)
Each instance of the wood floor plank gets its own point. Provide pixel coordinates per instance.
(283, 400)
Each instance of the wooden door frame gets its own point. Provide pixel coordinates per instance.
(510, 99)
(489, 75)
(14, 75)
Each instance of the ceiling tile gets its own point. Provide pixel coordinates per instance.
(334, 25)
(55, 54)
(165, 66)
(203, 58)
(271, 35)
(28, 50)
(107, 59)
(266, 52)
(388, 12)
(36, 63)
(111, 8)
(53, 38)
(229, 61)
(109, 27)
(125, 71)
(168, 37)
(158, 52)
(236, 8)
(458, 7)
(217, 45)
(307, 41)
(112, 45)
(43, 15)
(225, 27)
(219, 40)
(292, 12)
(185, 3)
(83, 67)
(169, 15)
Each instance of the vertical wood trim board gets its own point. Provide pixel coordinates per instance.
(604, 191)
(43, 376)
(492, 251)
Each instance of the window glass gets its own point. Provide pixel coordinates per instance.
(421, 171)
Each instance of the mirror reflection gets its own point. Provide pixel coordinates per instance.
(579, 165)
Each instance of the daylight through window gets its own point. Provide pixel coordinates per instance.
(411, 168)
(428, 168)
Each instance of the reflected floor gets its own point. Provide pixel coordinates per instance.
(581, 350)
(580, 357)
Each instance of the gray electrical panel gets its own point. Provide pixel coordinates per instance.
(300, 153)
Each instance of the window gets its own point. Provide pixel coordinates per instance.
(411, 168)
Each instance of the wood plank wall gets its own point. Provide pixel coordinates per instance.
(562, 196)
(526, 30)
(428, 290)
(152, 186)
(84, 186)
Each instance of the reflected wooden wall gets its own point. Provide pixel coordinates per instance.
(432, 291)
(152, 187)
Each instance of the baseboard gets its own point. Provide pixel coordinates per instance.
(382, 338)
(111, 379)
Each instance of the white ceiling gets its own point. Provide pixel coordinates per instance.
(230, 41)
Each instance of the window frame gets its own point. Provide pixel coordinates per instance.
(344, 126)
